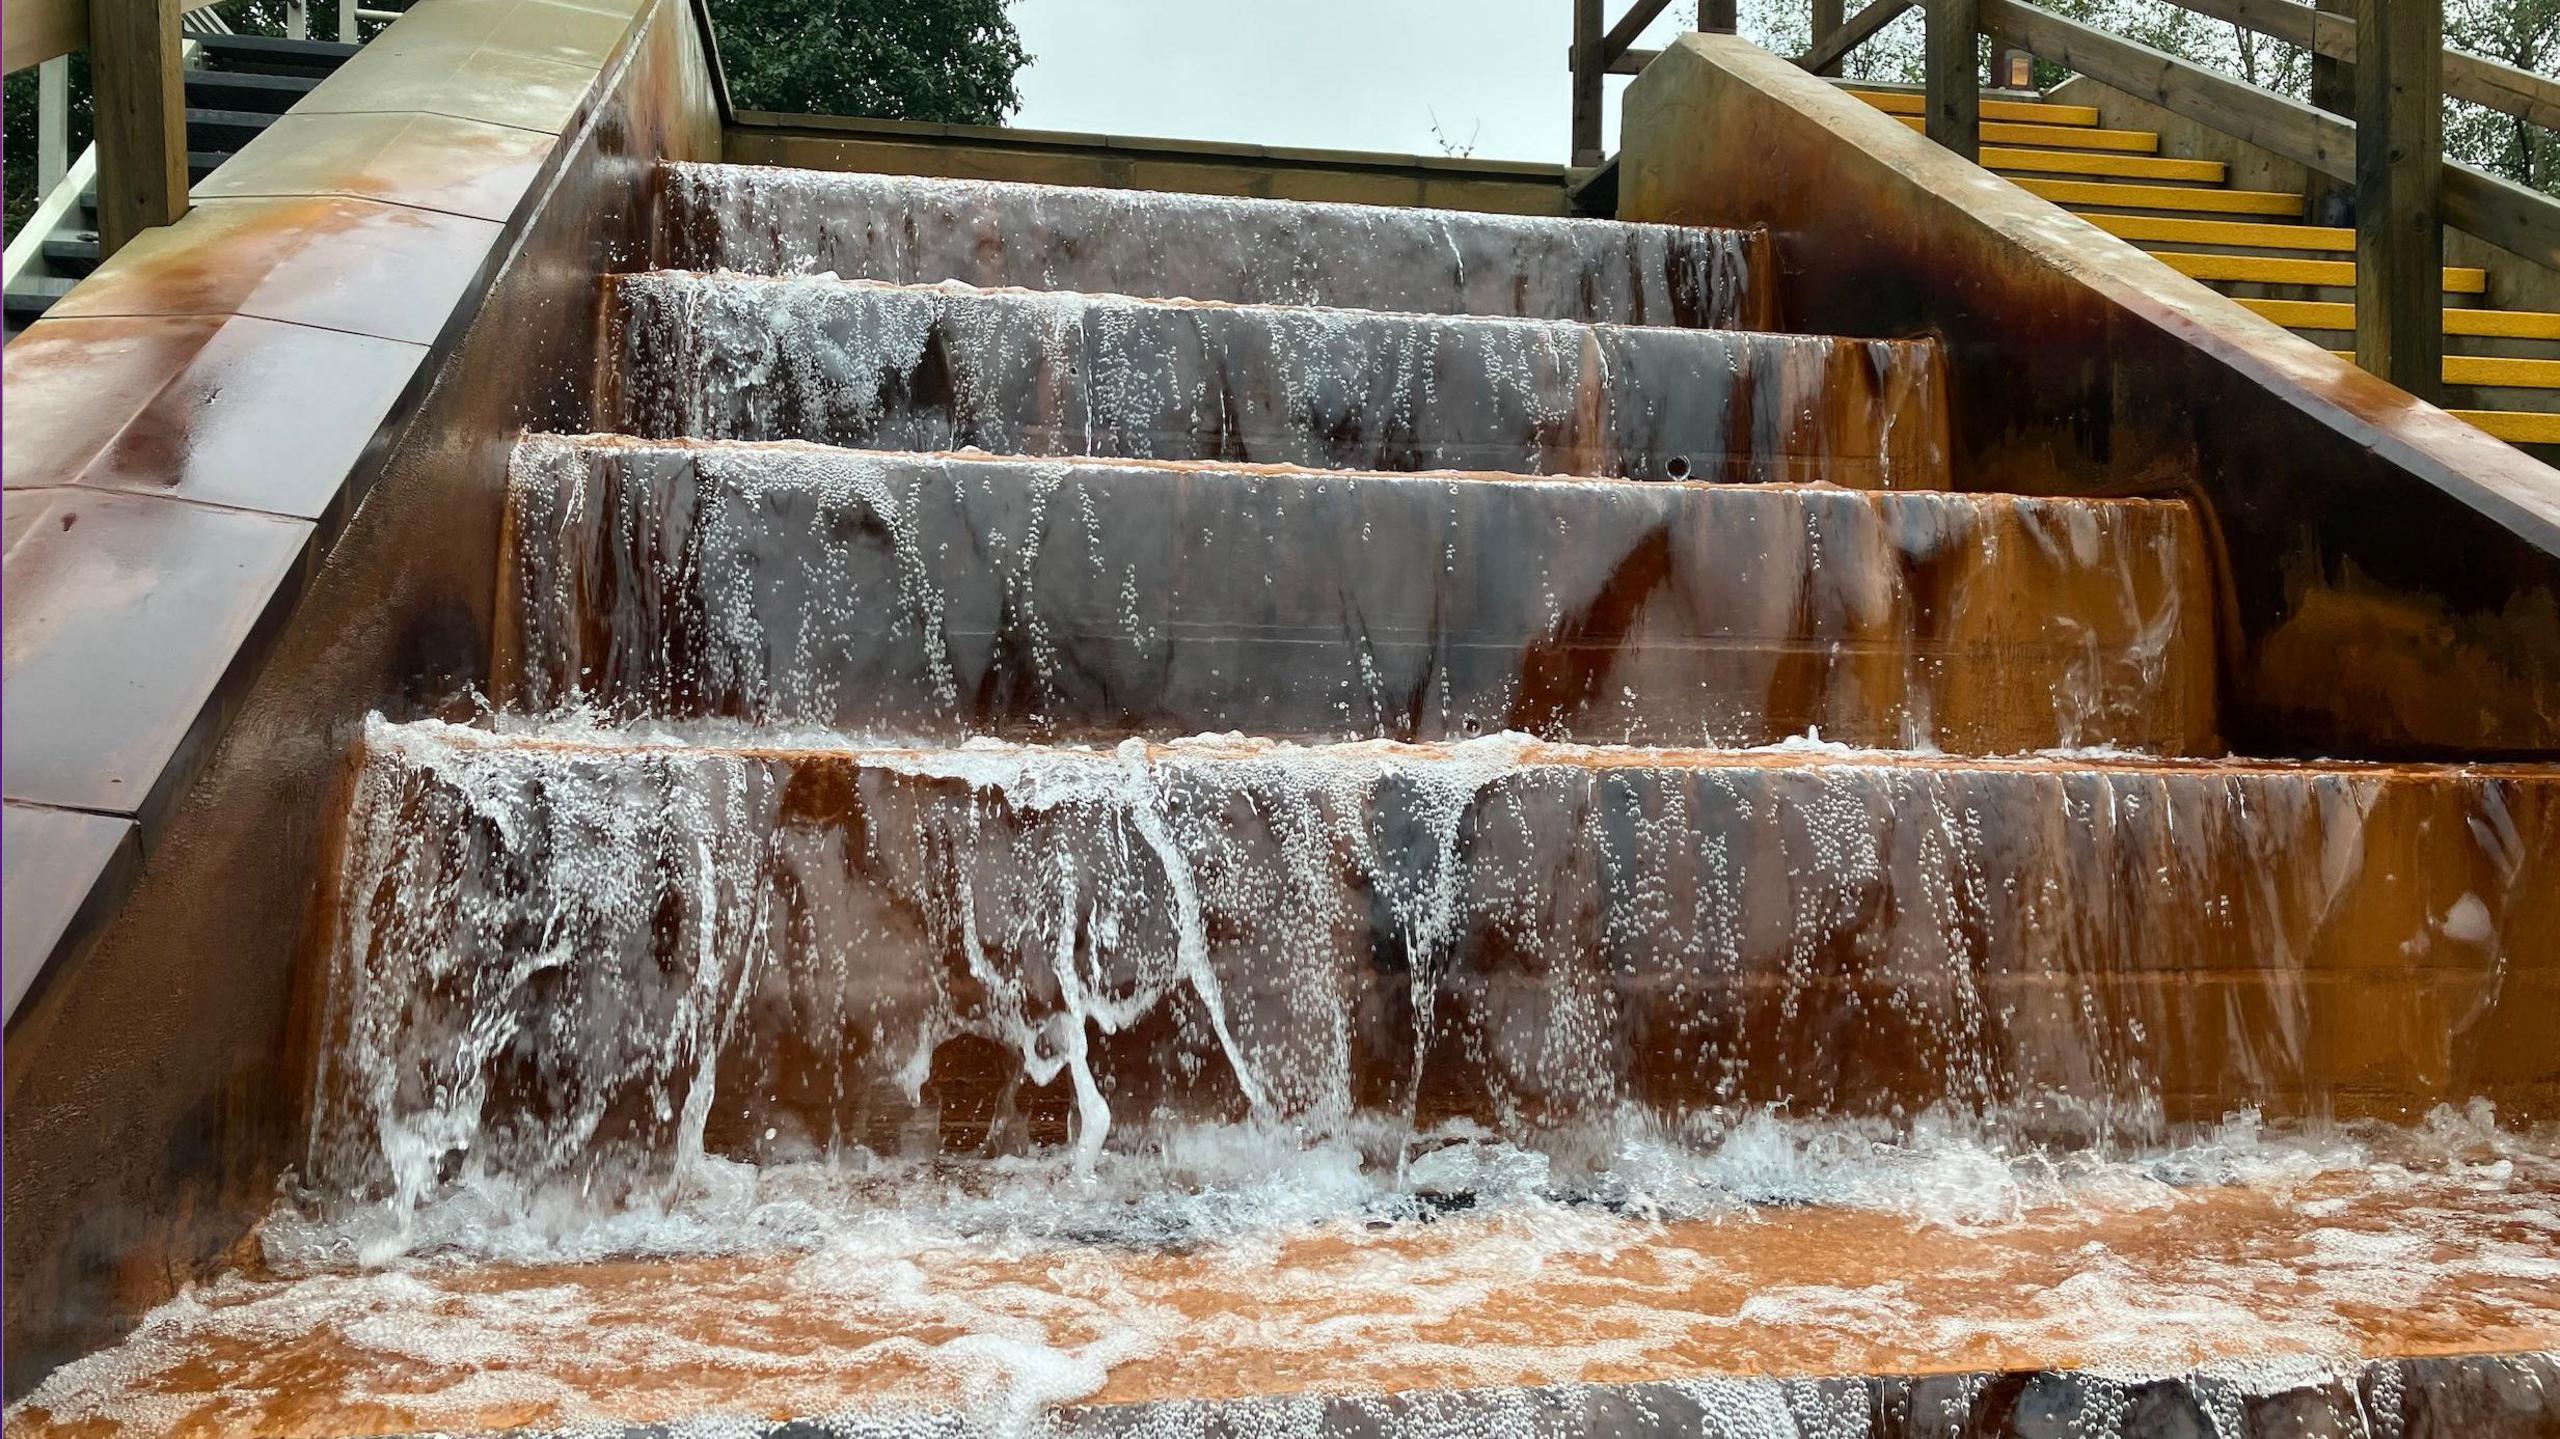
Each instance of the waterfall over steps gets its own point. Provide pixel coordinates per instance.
(1140, 814)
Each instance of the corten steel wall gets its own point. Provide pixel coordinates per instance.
(1045, 157)
(256, 467)
(2390, 577)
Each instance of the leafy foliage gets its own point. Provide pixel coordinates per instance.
(951, 61)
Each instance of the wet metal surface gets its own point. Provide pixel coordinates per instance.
(1530, 937)
(1089, 600)
(1122, 242)
(125, 621)
(1773, 1322)
(59, 860)
(197, 408)
(152, 1081)
(1020, 372)
(327, 261)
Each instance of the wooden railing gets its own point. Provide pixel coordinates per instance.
(2391, 151)
(137, 94)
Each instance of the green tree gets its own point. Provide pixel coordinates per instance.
(946, 60)
(951, 61)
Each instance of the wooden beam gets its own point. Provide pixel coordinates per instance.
(1629, 26)
(2329, 33)
(1588, 73)
(2499, 211)
(1828, 16)
(2400, 192)
(2327, 201)
(137, 85)
(2240, 110)
(1825, 56)
(34, 31)
(1951, 62)
(1721, 16)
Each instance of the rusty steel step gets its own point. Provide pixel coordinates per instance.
(2093, 946)
(765, 220)
(1012, 372)
(1091, 600)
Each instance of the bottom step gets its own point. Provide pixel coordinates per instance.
(2249, 1285)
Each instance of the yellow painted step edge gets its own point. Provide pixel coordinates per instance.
(2101, 162)
(2516, 427)
(2482, 324)
(2060, 137)
(2171, 229)
(2164, 197)
(1901, 102)
(2270, 270)
(2493, 370)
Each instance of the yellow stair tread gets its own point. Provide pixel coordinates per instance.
(2033, 112)
(2102, 162)
(2485, 324)
(2517, 427)
(2164, 197)
(2495, 370)
(2274, 270)
(2060, 137)
(2172, 229)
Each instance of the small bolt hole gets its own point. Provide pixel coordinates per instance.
(1679, 467)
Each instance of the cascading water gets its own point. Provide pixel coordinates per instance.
(947, 367)
(1283, 893)
(1134, 242)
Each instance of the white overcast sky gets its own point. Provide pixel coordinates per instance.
(1335, 74)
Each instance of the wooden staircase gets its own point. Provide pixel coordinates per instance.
(2502, 365)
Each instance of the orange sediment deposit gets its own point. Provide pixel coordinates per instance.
(2127, 1276)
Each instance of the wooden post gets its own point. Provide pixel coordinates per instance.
(1587, 77)
(1722, 16)
(2333, 88)
(1952, 61)
(1828, 17)
(2399, 82)
(141, 117)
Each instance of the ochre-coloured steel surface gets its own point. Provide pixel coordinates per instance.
(1093, 600)
(154, 1085)
(1021, 372)
(1531, 937)
(761, 220)
(2391, 575)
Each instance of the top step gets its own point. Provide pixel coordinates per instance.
(996, 234)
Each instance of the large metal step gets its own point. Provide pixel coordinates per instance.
(1089, 601)
(765, 220)
(1530, 937)
(949, 367)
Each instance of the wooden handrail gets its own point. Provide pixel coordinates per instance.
(1629, 26)
(34, 31)
(1829, 51)
(2475, 78)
